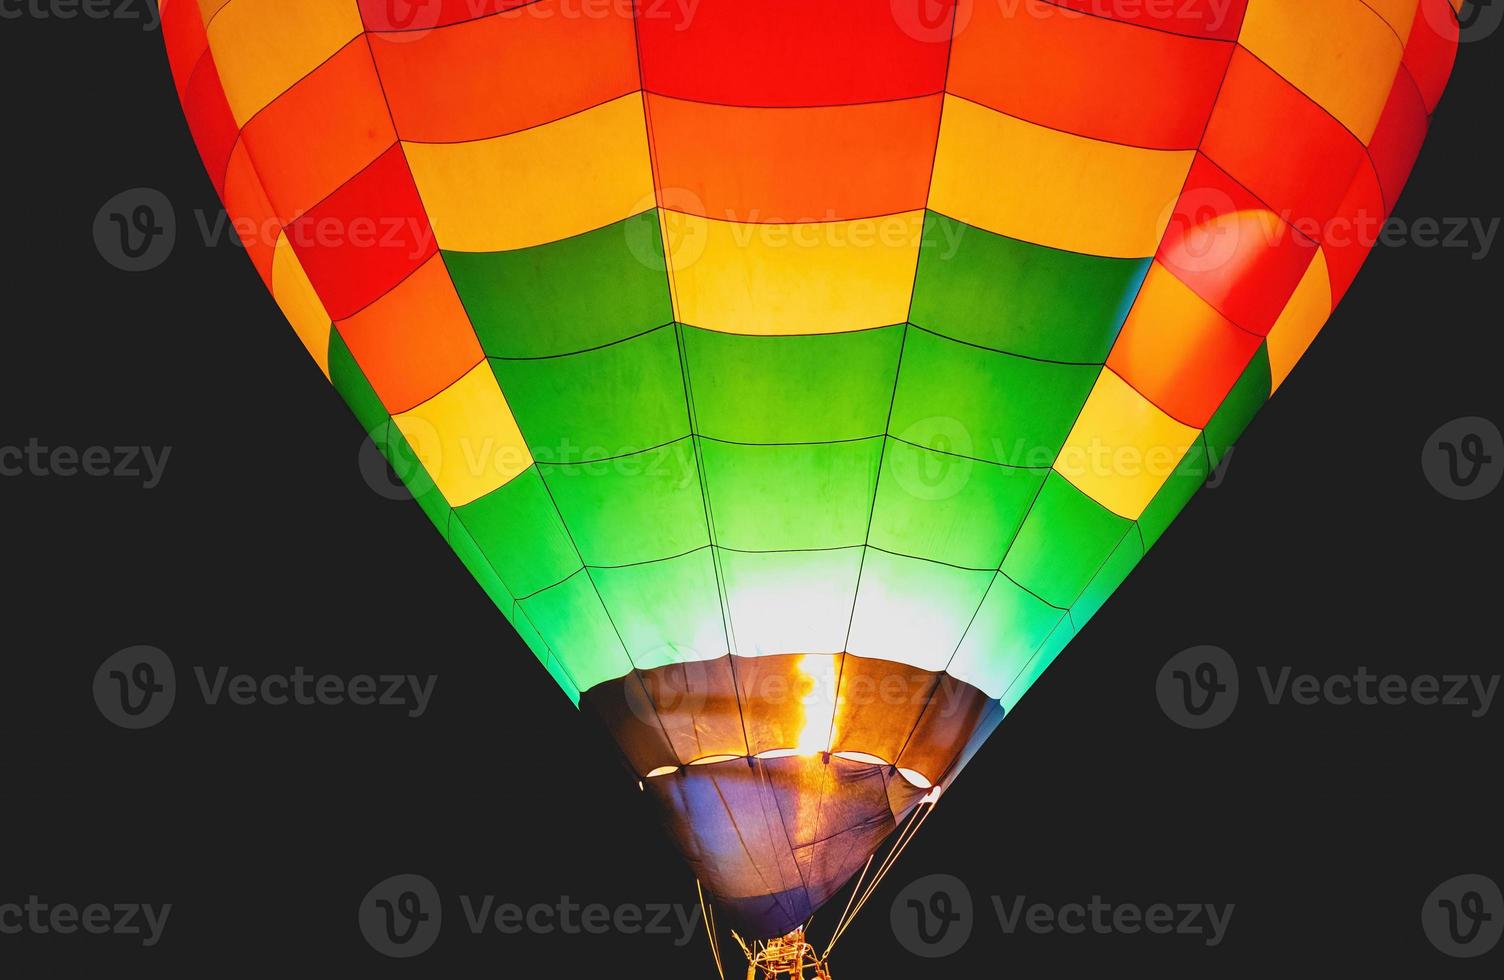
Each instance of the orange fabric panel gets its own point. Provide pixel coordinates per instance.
(829, 163)
(1092, 76)
(303, 148)
(253, 217)
(1302, 180)
(415, 340)
(1199, 18)
(510, 71)
(1178, 352)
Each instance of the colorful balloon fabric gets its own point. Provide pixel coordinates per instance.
(798, 377)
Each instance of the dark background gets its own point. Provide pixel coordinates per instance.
(264, 548)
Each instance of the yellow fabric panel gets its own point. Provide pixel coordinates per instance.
(1304, 316)
(539, 185)
(1123, 448)
(1051, 188)
(466, 437)
(262, 47)
(1338, 52)
(1399, 14)
(815, 277)
(300, 303)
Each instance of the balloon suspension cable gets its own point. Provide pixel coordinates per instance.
(911, 829)
(792, 956)
(707, 913)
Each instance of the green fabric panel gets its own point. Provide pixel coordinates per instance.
(1058, 640)
(409, 468)
(642, 507)
(530, 635)
(535, 642)
(350, 381)
(1188, 477)
(475, 562)
(666, 611)
(470, 555)
(949, 508)
(792, 389)
(558, 673)
(772, 498)
(564, 296)
(1009, 627)
(1019, 297)
(517, 528)
(912, 611)
(790, 602)
(1239, 407)
(1063, 542)
(1124, 559)
(602, 403)
(987, 405)
(575, 626)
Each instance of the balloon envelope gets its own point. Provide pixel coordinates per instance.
(798, 378)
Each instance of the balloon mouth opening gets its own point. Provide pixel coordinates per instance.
(913, 777)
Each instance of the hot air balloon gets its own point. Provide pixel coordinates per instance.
(798, 378)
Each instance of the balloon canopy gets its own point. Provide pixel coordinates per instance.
(798, 378)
